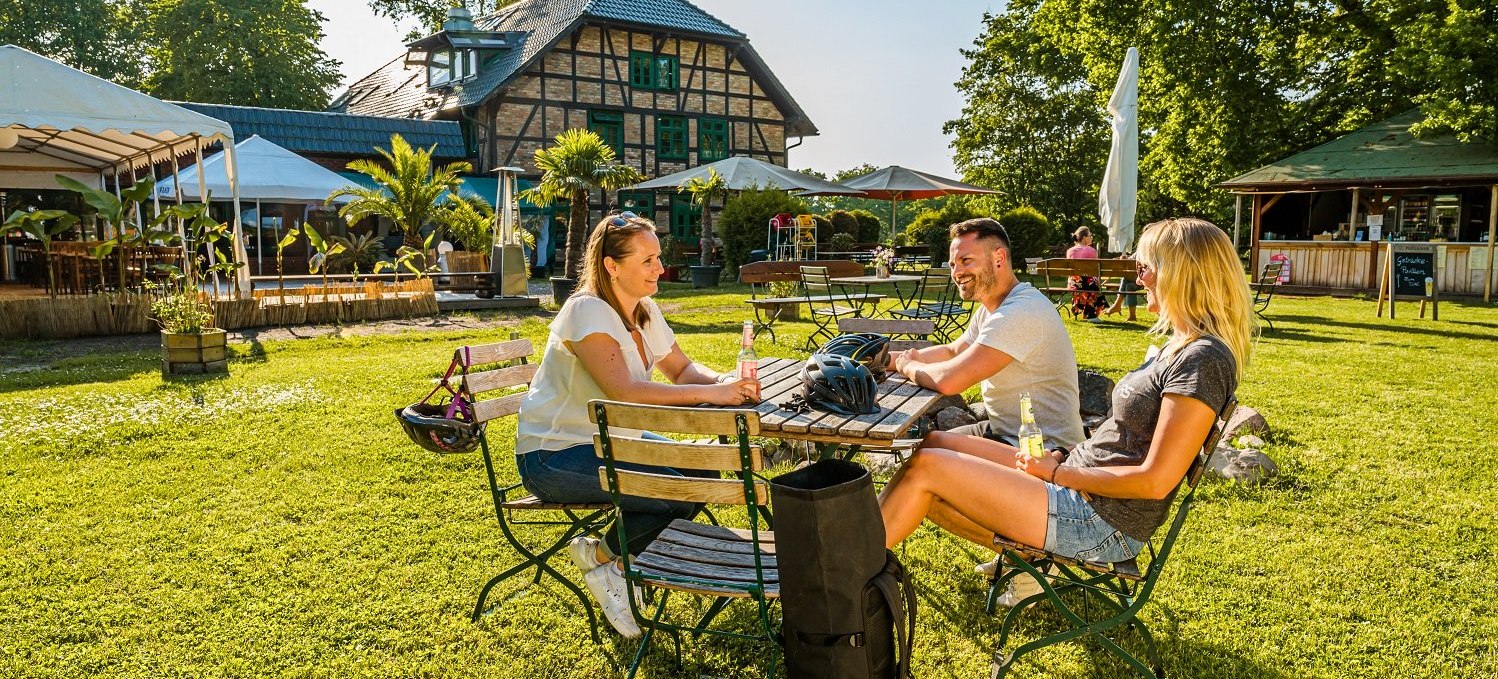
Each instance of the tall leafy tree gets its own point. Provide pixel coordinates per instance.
(89, 35)
(244, 52)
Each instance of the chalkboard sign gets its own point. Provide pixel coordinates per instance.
(1412, 265)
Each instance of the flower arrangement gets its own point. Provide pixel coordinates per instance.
(884, 258)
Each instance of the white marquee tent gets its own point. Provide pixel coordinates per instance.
(55, 119)
(267, 172)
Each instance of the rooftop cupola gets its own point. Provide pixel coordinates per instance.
(458, 51)
(458, 19)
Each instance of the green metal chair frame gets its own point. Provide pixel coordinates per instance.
(1119, 591)
(937, 300)
(513, 501)
(817, 285)
(1264, 289)
(707, 560)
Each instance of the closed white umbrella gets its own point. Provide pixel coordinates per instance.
(1119, 195)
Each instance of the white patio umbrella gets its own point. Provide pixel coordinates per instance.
(1119, 195)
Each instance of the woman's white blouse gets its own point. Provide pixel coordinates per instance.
(554, 413)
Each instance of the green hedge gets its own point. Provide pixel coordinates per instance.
(1030, 233)
(870, 229)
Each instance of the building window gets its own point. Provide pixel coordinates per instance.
(641, 203)
(610, 126)
(712, 139)
(650, 72)
(446, 66)
(671, 137)
(684, 218)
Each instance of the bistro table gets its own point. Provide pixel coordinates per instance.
(892, 279)
(901, 405)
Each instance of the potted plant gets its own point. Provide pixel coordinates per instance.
(189, 342)
(671, 257)
(704, 190)
(577, 162)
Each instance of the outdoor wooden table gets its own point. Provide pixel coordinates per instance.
(893, 279)
(901, 405)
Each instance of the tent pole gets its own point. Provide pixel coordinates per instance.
(177, 191)
(1487, 290)
(1237, 219)
(119, 197)
(203, 197)
(242, 274)
(259, 222)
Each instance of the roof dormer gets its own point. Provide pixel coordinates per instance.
(459, 50)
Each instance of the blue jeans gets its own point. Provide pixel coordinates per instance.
(571, 475)
(1073, 528)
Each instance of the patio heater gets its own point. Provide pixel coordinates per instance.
(507, 259)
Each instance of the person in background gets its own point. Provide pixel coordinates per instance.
(1103, 499)
(605, 343)
(1087, 298)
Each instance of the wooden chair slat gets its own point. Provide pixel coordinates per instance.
(503, 378)
(706, 553)
(661, 579)
(886, 326)
(483, 354)
(906, 345)
(705, 571)
(721, 538)
(687, 489)
(504, 406)
(1127, 570)
(531, 502)
(679, 454)
(675, 419)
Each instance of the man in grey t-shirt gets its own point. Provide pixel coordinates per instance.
(1015, 342)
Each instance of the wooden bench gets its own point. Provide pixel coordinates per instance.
(1055, 273)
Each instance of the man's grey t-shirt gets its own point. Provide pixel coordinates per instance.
(1028, 329)
(1204, 370)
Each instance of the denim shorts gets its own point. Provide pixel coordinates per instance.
(1073, 528)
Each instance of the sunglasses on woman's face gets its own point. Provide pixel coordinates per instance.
(622, 219)
(1141, 269)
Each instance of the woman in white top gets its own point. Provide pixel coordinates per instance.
(604, 343)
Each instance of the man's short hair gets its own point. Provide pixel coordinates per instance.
(985, 227)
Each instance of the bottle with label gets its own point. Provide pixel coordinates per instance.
(1031, 441)
(748, 360)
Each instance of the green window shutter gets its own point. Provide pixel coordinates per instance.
(665, 73)
(610, 126)
(641, 203)
(671, 137)
(712, 139)
(684, 219)
(641, 70)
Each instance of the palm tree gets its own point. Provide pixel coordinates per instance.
(578, 162)
(704, 191)
(407, 192)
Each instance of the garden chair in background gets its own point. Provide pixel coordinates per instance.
(936, 300)
(719, 563)
(1269, 281)
(513, 505)
(1117, 591)
(828, 303)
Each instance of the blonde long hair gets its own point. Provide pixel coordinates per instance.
(617, 241)
(1199, 283)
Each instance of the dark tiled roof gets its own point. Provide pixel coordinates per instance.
(317, 132)
(400, 90)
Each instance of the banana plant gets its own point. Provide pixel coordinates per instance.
(281, 246)
(117, 213)
(35, 223)
(325, 248)
(100, 252)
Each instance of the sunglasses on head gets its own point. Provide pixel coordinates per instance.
(622, 219)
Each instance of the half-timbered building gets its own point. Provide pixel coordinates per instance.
(666, 84)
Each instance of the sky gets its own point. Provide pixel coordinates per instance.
(875, 76)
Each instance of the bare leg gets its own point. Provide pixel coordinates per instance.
(996, 498)
(998, 453)
(943, 515)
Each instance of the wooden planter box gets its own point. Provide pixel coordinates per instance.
(183, 354)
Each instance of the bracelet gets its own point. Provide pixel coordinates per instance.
(1055, 469)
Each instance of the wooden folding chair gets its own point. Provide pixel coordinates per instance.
(723, 564)
(1264, 288)
(916, 333)
(1118, 591)
(513, 505)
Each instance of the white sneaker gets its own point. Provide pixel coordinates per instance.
(990, 569)
(584, 553)
(609, 588)
(1022, 587)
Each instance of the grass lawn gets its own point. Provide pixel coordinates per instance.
(277, 522)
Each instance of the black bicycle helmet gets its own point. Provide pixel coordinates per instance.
(839, 384)
(429, 425)
(870, 349)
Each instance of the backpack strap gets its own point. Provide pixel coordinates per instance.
(891, 581)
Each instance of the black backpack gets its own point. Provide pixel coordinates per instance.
(848, 606)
